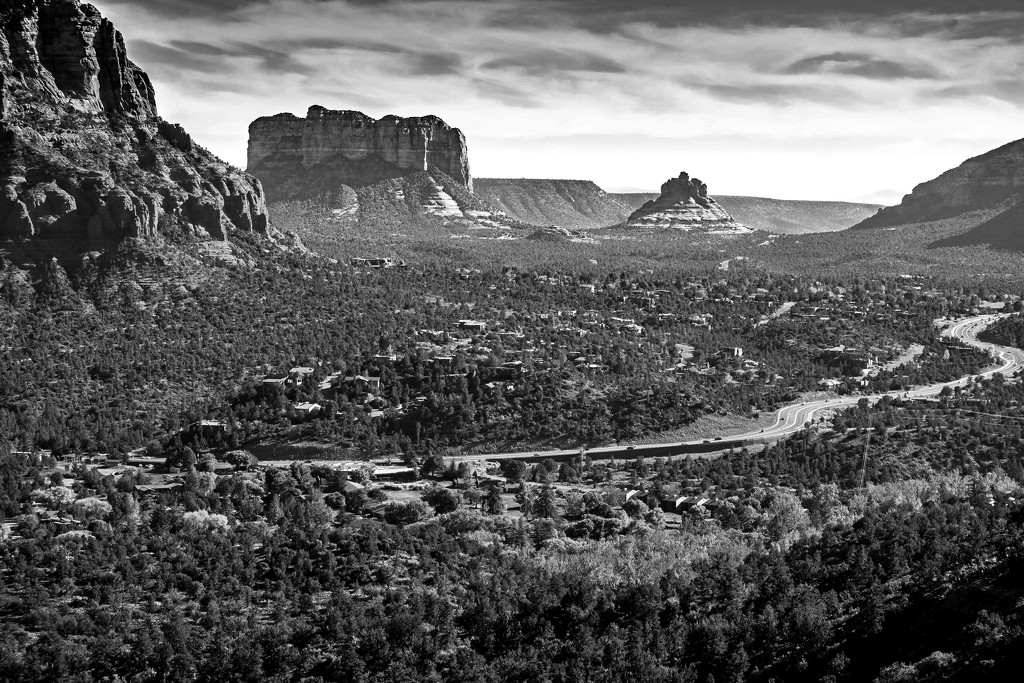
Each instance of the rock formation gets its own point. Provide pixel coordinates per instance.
(684, 204)
(981, 183)
(566, 203)
(307, 157)
(83, 153)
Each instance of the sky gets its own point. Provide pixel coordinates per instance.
(794, 99)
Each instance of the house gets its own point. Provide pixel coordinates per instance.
(156, 488)
(145, 462)
(475, 326)
(732, 351)
(376, 262)
(371, 383)
(681, 504)
(394, 473)
(209, 428)
(305, 410)
(330, 381)
(700, 319)
(300, 373)
(364, 383)
(274, 383)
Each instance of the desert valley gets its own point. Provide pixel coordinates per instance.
(355, 414)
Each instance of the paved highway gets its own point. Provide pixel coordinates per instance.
(792, 418)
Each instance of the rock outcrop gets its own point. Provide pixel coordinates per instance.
(573, 204)
(981, 183)
(83, 153)
(684, 204)
(297, 158)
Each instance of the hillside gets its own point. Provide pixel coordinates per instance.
(1004, 232)
(427, 204)
(781, 216)
(565, 203)
(980, 183)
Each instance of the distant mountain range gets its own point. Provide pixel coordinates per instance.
(795, 216)
(882, 197)
(581, 204)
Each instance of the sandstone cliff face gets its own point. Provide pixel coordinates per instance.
(684, 204)
(982, 182)
(83, 154)
(308, 157)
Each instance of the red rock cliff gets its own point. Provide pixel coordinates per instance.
(301, 157)
(83, 153)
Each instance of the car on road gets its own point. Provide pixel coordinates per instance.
(718, 438)
(629, 448)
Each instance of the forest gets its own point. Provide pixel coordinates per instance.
(876, 545)
(115, 356)
(802, 572)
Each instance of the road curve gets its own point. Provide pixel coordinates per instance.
(790, 419)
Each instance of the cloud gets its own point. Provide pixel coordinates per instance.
(505, 94)
(774, 94)
(198, 56)
(1009, 90)
(420, 63)
(223, 10)
(860, 64)
(435, 63)
(548, 62)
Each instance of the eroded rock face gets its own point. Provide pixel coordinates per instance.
(297, 157)
(684, 204)
(83, 153)
(982, 182)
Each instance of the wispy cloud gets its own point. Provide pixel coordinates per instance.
(554, 62)
(860, 64)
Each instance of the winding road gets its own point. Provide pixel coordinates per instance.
(792, 418)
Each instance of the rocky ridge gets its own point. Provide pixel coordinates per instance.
(84, 156)
(304, 157)
(573, 204)
(980, 183)
(684, 205)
